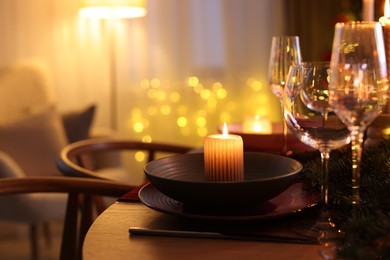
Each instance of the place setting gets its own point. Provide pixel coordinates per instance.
(243, 200)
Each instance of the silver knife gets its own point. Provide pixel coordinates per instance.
(220, 235)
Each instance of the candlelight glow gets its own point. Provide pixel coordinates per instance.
(386, 16)
(225, 132)
(257, 124)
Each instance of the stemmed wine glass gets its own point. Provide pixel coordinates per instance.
(310, 118)
(285, 51)
(359, 85)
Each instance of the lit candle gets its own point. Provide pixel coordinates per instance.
(224, 157)
(368, 10)
(257, 124)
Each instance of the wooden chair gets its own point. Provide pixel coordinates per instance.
(76, 224)
(82, 158)
(79, 158)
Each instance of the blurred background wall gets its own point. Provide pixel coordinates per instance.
(180, 71)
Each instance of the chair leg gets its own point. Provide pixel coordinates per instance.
(69, 246)
(47, 234)
(33, 241)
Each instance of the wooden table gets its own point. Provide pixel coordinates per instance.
(108, 238)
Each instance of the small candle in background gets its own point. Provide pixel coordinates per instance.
(224, 157)
(257, 124)
(385, 18)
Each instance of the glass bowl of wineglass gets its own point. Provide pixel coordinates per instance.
(285, 51)
(311, 119)
(359, 85)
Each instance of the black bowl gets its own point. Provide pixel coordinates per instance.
(181, 177)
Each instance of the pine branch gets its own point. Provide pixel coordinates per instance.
(367, 231)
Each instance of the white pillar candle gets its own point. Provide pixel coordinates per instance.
(224, 157)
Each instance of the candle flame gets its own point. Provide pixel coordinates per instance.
(387, 9)
(225, 132)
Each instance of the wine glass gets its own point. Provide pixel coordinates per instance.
(359, 84)
(285, 51)
(310, 118)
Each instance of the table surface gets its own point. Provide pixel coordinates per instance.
(108, 238)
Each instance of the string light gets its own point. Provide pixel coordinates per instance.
(195, 114)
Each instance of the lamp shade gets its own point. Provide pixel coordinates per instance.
(112, 9)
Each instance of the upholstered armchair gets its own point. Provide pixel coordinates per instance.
(32, 134)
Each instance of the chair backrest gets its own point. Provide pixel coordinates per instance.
(81, 159)
(78, 159)
(75, 228)
(31, 130)
(24, 87)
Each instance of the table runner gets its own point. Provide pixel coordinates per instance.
(132, 196)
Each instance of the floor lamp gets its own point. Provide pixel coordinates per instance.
(111, 10)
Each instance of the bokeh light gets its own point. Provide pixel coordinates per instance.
(165, 110)
(174, 97)
(201, 121)
(138, 127)
(140, 156)
(193, 81)
(182, 121)
(185, 112)
(146, 139)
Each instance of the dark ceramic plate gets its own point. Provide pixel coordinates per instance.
(293, 200)
(181, 177)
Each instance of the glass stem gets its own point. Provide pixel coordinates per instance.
(325, 154)
(325, 224)
(284, 128)
(284, 151)
(357, 147)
